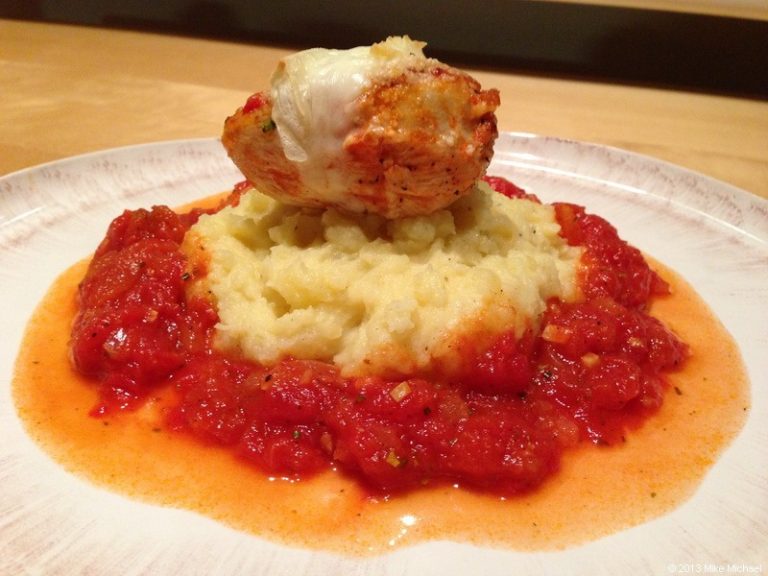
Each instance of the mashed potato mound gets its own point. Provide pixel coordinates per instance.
(377, 296)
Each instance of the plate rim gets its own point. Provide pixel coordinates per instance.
(593, 147)
(210, 141)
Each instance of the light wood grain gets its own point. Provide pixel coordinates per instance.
(750, 9)
(68, 90)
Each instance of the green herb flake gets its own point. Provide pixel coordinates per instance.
(268, 126)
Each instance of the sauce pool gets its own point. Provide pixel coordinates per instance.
(598, 491)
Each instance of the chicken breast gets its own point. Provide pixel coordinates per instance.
(376, 129)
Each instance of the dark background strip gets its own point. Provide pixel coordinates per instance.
(674, 50)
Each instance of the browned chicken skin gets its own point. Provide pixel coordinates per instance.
(417, 141)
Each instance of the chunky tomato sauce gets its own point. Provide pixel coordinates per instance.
(594, 371)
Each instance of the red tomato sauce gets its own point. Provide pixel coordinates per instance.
(594, 371)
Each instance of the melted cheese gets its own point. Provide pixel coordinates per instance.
(313, 96)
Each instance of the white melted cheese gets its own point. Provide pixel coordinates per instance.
(313, 95)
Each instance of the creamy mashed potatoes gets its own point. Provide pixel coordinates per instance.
(380, 296)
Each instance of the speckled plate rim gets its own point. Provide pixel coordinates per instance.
(712, 233)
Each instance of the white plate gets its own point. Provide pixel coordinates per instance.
(715, 235)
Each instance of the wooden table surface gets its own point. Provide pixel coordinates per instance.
(66, 90)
